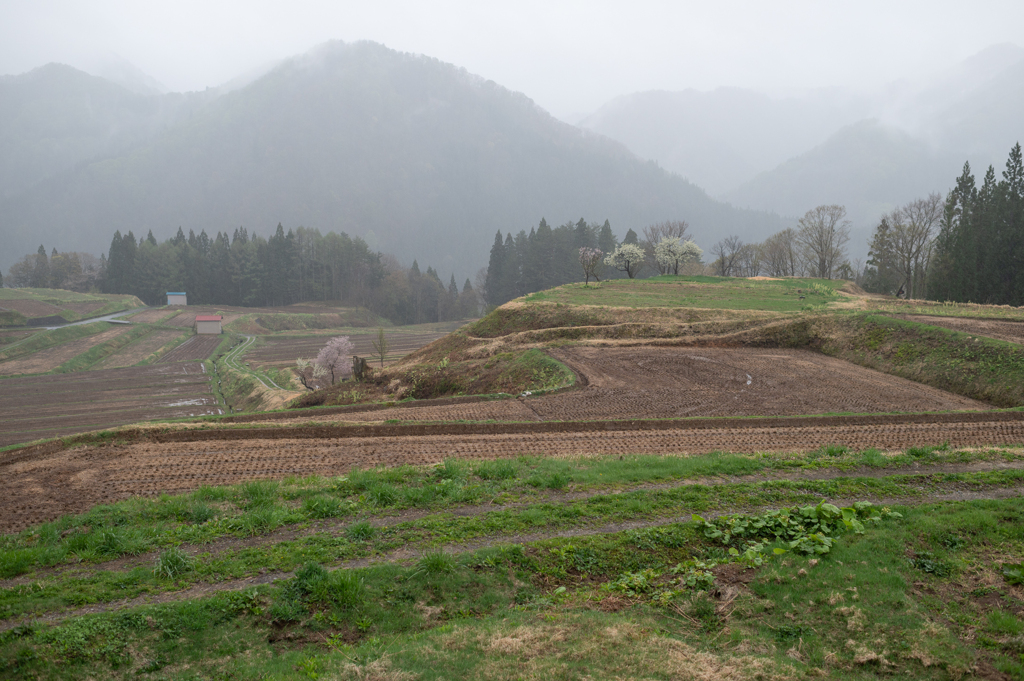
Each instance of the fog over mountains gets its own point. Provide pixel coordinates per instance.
(427, 161)
(868, 151)
(419, 157)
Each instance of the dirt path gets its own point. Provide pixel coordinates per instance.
(410, 553)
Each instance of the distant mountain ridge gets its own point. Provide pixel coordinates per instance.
(869, 151)
(419, 157)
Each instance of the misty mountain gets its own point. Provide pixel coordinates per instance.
(986, 121)
(869, 151)
(417, 156)
(868, 167)
(723, 138)
(55, 118)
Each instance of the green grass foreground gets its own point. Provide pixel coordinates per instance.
(926, 595)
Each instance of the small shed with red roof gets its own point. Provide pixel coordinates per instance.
(208, 324)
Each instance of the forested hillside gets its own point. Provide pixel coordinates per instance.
(419, 157)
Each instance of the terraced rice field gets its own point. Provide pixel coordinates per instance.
(51, 358)
(44, 485)
(49, 406)
(195, 348)
(282, 351)
(139, 350)
(187, 316)
(153, 316)
(615, 383)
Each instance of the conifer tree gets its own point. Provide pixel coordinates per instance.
(41, 271)
(495, 272)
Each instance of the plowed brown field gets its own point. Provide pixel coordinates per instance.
(48, 406)
(84, 308)
(46, 486)
(990, 328)
(196, 347)
(615, 383)
(650, 383)
(678, 382)
(31, 308)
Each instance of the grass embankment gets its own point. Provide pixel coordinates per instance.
(61, 301)
(982, 368)
(948, 309)
(100, 352)
(776, 295)
(242, 389)
(510, 373)
(921, 596)
(330, 318)
(48, 339)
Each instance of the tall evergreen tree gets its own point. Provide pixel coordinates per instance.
(41, 271)
(496, 272)
(606, 239)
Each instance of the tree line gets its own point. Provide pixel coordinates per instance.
(979, 250)
(252, 271)
(552, 256)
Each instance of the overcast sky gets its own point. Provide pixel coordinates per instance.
(569, 57)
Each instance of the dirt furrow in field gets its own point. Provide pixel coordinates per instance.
(412, 552)
(71, 481)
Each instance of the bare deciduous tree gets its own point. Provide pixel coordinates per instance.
(591, 260)
(823, 234)
(920, 221)
(726, 253)
(780, 254)
(903, 240)
(748, 261)
(381, 345)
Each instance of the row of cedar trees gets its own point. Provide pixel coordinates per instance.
(979, 251)
(249, 270)
(545, 257)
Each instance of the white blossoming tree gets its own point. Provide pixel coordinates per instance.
(310, 374)
(628, 258)
(673, 252)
